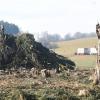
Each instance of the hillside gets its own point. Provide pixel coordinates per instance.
(68, 48)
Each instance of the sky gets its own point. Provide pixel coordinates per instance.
(54, 16)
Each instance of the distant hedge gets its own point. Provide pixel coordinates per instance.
(10, 28)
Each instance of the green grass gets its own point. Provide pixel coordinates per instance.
(84, 61)
(68, 49)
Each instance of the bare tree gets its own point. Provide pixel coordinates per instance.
(46, 40)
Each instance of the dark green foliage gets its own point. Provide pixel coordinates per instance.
(7, 50)
(29, 96)
(24, 51)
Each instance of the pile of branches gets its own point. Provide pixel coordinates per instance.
(24, 51)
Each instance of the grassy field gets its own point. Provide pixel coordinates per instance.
(68, 48)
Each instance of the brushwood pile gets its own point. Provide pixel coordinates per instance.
(24, 51)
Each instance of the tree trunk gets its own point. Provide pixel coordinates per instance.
(96, 80)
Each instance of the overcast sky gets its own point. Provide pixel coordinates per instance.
(54, 16)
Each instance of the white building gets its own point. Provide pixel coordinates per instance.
(86, 51)
(93, 51)
(80, 51)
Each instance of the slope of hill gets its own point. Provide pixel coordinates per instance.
(68, 49)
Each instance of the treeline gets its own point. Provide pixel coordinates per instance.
(45, 38)
(79, 35)
(48, 40)
(10, 28)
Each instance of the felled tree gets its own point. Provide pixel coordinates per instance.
(24, 51)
